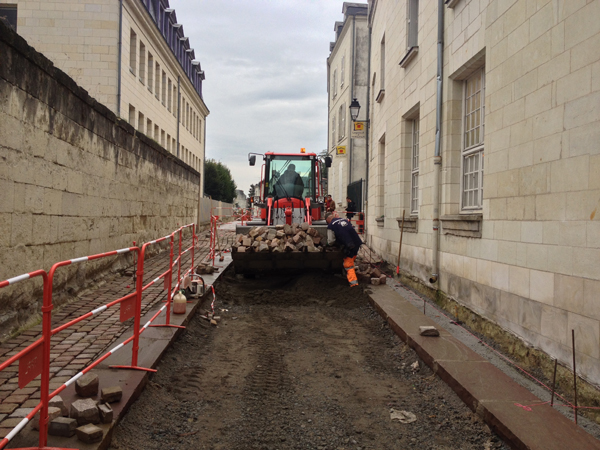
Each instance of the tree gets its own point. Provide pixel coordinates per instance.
(218, 182)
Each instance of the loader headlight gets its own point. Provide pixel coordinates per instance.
(257, 199)
(320, 199)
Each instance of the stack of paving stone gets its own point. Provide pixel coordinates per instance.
(368, 274)
(282, 238)
(81, 417)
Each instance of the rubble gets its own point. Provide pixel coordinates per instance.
(111, 394)
(282, 238)
(89, 433)
(53, 413)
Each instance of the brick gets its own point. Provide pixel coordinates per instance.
(62, 426)
(89, 433)
(20, 413)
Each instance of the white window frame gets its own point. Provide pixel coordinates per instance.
(414, 184)
(473, 133)
(150, 72)
(343, 71)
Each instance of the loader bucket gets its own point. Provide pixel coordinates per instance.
(292, 262)
(251, 263)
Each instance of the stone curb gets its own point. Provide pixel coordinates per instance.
(485, 389)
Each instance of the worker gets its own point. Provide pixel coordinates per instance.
(329, 204)
(345, 234)
(291, 182)
(350, 209)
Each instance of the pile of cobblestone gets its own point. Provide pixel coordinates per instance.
(282, 238)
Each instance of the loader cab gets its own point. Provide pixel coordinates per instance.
(290, 176)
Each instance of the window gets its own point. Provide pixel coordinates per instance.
(343, 71)
(150, 72)
(382, 65)
(148, 128)
(132, 51)
(157, 82)
(472, 154)
(412, 24)
(169, 92)
(168, 142)
(342, 120)
(333, 134)
(8, 15)
(142, 65)
(164, 88)
(175, 102)
(414, 187)
(141, 122)
(156, 131)
(162, 138)
(334, 83)
(380, 191)
(132, 116)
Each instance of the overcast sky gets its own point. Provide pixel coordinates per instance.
(266, 75)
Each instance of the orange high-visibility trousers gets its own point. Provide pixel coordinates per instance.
(350, 273)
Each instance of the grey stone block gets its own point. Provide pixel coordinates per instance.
(58, 402)
(62, 426)
(53, 413)
(106, 413)
(87, 385)
(89, 433)
(84, 411)
(111, 394)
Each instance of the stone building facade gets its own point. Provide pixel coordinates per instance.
(347, 69)
(130, 55)
(518, 236)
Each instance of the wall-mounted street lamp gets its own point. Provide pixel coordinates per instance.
(354, 109)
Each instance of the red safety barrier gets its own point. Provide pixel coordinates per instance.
(359, 222)
(35, 359)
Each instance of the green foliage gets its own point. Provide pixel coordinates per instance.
(218, 182)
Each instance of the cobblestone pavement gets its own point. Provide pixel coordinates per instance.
(76, 347)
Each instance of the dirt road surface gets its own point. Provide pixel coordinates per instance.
(296, 363)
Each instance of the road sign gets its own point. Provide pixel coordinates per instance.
(340, 150)
(358, 131)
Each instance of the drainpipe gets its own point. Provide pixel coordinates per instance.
(178, 111)
(367, 137)
(437, 159)
(350, 150)
(119, 56)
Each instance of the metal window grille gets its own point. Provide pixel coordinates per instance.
(414, 197)
(472, 158)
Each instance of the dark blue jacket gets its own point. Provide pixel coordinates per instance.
(345, 234)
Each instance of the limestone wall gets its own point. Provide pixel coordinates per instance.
(532, 265)
(74, 180)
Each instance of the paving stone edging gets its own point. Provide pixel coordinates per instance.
(485, 389)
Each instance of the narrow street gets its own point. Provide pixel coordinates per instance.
(296, 363)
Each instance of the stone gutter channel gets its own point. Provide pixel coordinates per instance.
(512, 405)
